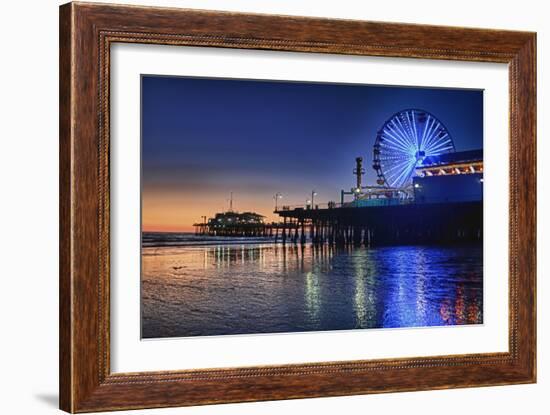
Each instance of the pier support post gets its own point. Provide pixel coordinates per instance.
(357, 235)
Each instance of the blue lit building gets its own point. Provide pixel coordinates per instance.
(450, 177)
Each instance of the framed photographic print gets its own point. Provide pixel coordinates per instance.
(260, 207)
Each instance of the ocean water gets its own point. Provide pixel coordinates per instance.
(201, 286)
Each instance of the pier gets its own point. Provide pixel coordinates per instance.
(442, 204)
(234, 224)
(401, 224)
(392, 224)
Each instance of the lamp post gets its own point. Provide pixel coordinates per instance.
(276, 198)
(313, 194)
(481, 187)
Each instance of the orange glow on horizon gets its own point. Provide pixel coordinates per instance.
(166, 228)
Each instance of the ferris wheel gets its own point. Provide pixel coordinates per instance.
(404, 140)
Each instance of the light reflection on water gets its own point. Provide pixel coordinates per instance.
(237, 289)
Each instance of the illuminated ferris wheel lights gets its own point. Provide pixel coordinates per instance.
(404, 141)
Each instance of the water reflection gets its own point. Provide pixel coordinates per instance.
(233, 289)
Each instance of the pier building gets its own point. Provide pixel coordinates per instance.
(450, 177)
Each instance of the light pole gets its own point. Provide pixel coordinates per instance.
(481, 187)
(276, 197)
(313, 194)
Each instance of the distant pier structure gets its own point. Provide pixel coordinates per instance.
(245, 224)
(232, 223)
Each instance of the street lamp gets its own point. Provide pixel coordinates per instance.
(481, 187)
(276, 197)
(313, 194)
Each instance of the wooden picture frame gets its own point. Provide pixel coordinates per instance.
(86, 33)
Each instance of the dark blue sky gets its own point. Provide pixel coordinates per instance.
(208, 137)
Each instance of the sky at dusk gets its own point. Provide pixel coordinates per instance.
(204, 138)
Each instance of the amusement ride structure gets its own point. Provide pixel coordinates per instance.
(405, 140)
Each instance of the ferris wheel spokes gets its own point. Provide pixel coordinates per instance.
(404, 141)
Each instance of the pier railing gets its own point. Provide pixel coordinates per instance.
(330, 205)
(354, 203)
(379, 202)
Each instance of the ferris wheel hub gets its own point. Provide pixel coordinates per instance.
(420, 155)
